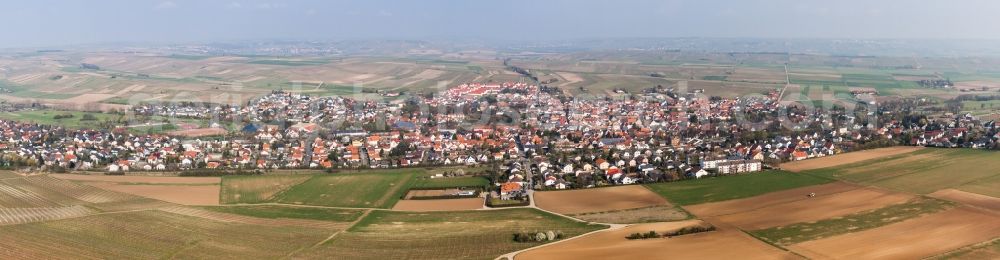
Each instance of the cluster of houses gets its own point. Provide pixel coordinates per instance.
(562, 141)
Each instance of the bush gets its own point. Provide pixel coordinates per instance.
(690, 230)
(682, 231)
(538, 236)
(647, 235)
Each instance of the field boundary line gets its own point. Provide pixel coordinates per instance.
(331, 237)
(292, 205)
(771, 244)
(276, 194)
(972, 246)
(390, 193)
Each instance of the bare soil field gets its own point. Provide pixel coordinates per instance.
(725, 243)
(769, 199)
(968, 198)
(180, 194)
(846, 158)
(598, 200)
(938, 233)
(431, 193)
(439, 205)
(139, 179)
(199, 132)
(816, 208)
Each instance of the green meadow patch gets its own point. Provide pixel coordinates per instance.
(374, 189)
(711, 189)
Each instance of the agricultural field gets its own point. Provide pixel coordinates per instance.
(73, 119)
(724, 243)
(442, 235)
(598, 199)
(294, 212)
(56, 79)
(968, 198)
(847, 158)
(640, 215)
(451, 182)
(138, 179)
(373, 189)
(822, 206)
(7, 174)
(956, 228)
(152, 234)
(980, 105)
(987, 186)
(256, 189)
(439, 204)
(989, 250)
(80, 119)
(45, 191)
(869, 219)
(713, 189)
(922, 172)
(185, 194)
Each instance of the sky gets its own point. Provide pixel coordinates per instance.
(60, 23)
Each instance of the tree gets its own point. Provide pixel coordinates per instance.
(333, 156)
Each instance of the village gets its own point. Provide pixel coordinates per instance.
(539, 138)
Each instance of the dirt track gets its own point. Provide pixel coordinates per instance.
(846, 158)
(912, 239)
(598, 199)
(725, 243)
(439, 205)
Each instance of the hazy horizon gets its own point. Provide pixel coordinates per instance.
(61, 23)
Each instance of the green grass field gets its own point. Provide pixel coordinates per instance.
(152, 235)
(451, 182)
(801, 232)
(47, 117)
(980, 105)
(713, 189)
(987, 186)
(924, 171)
(442, 235)
(256, 188)
(76, 120)
(274, 211)
(374, 189)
